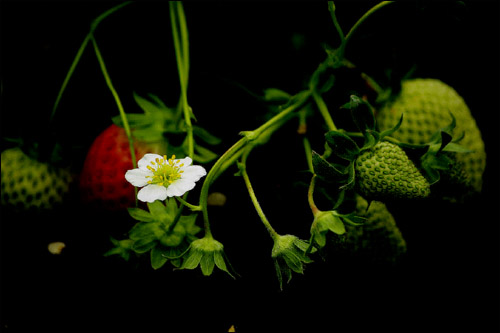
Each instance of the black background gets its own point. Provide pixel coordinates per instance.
(449, 279)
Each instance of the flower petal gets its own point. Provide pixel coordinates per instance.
(138, 177)
(187, 161)
(152, 192)
(146, 160)
(193, 172)
(179, 187)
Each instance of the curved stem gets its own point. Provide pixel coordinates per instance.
(242, 165)
(310, 196)
(323, 109)
(117, 100)
(331, 8)
(363, 18)
(79, 54)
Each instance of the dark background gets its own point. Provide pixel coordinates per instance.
(449, 279)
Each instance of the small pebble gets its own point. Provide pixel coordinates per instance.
(56, 247)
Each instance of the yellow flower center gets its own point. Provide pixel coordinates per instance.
(165, 171)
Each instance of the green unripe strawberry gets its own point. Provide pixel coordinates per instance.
(30, 184)
(426, 104)
(378, 239)
(385, 171)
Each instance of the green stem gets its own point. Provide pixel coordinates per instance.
(188, 205)
(323, 109)
(362, 19)
(331, 8)
(79, 54)
(242, 165)
(308, 152)
(117, 100)
(181, 45)
(310, 196)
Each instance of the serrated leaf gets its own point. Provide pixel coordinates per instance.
(140, 215)
(342, 145)
(135, 120)
(158, 257)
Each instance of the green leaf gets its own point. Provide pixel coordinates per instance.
(159, 212)
(142, 230)
(135, 120)
(273, 94)
(351, 177)
(153, 109)
(206, 136)
(140, 215)
(454, 147)
(158, 257)
(342, 145)
(203, 155)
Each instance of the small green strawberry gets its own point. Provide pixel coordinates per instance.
(385, 171)
(426, 105)
(379, 239)
(29, 184)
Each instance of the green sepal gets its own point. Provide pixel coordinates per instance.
(362, 114)
(140, 215)
(351, 219)
(342, 145)
(390, 131)
(351, 177)
(326, 170)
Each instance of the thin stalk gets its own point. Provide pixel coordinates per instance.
(117, 100)
(274, 235)
(181, 46)
(310, 196)
(362, 19)
(323, 109)
(331, 8)
(79, 54)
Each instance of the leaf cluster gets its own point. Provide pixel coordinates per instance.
(162, 231)
(161, 123)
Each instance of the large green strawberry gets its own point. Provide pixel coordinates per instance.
(385, 171)
(28, 184)
(102, 180)
(378, 239)
(426, 105)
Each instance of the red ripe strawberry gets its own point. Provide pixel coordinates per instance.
(102, 180)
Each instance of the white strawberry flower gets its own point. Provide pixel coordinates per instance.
(160, 177)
